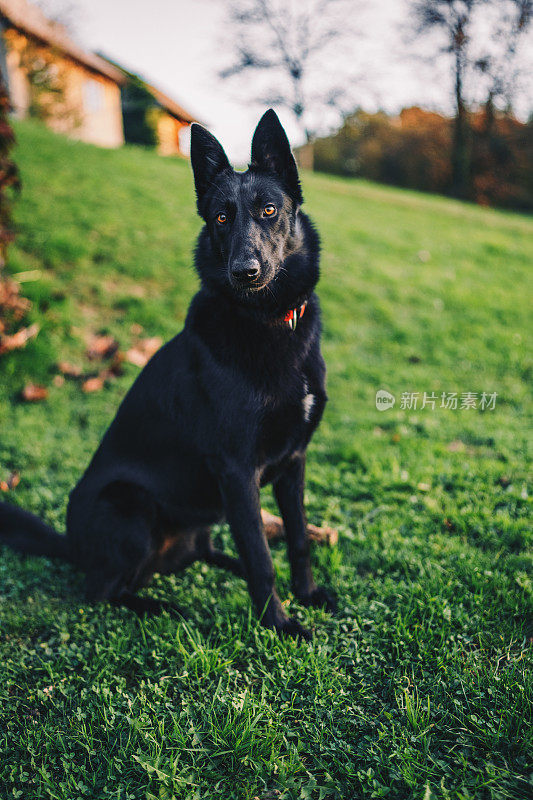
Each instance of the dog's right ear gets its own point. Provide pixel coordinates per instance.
(208, 160)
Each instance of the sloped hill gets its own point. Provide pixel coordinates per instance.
(422, 680)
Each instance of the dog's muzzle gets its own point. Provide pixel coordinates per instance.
(245, 273)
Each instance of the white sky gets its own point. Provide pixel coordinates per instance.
(179, 46)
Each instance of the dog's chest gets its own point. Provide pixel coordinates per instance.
(287, 425)
(308, 403)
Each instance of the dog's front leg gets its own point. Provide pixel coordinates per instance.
(240, 494)
(289, 494)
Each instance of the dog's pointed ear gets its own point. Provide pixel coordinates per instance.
(208, 159)
(271, 151)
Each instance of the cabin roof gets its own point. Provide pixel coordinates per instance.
(166, 102)
(30, 20)
(170, 105)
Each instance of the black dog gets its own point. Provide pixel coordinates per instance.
(228, 405)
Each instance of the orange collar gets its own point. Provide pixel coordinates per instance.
(294, 314)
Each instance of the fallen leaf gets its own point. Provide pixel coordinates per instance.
(457, 446)
(11, 301)
(115, 368)
(143, 351)
(34, 393)
(18, 339)
(11, 483)
(136, 356)
(152, 344)
(70, 370)
(102, 347)
(93, 384)
(58, 380)
(13, 480)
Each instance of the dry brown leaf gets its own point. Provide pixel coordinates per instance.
(151, 345)
(11, 483)
(115, 368)
(12, 303)
(18, 339)
(95, 384)
(102, 347)
(58, 381)
(136, 356)
(34, 393)
(70, 370)
(143, 351)
(457, 446)
(13, 480)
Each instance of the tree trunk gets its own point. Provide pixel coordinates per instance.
(305, 156)
(489, 115)
(461, 144)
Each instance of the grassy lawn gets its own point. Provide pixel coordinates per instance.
(421, 686)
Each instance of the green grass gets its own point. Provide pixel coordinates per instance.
(421, 686)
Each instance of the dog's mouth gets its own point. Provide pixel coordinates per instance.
(250, 289)
(255, 287)
(244, 287)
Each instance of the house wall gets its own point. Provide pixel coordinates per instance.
(89, 108)
(168, 129)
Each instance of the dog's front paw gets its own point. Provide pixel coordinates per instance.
(291, 627)
(321, 598)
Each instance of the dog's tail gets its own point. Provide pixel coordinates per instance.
(26, 533)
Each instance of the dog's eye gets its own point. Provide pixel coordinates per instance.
(269, 210)
(221, 219)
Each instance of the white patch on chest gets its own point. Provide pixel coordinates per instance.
(307, 403)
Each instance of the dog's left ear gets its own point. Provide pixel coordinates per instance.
(271, 151)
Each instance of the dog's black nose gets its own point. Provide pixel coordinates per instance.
(245, 271)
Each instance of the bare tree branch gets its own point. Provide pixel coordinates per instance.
(289, 42)
(499, 65)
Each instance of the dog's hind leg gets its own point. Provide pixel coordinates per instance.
(117, 551)
(178, 549)
(219, 559)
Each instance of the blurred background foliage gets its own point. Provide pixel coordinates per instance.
(413, 151)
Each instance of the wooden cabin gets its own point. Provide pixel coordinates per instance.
(172, 119)
(49, 76)
(82, 94)
(150, 117)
